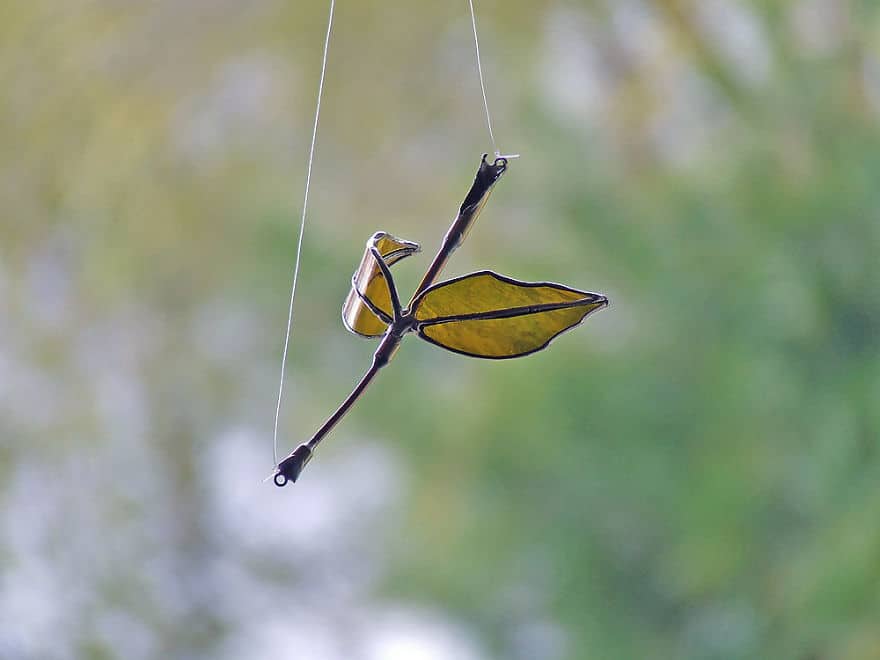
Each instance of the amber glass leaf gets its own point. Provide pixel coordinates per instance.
(491, 316)
(369, 282)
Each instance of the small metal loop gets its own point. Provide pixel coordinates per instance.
(280, 480)
(504, 157)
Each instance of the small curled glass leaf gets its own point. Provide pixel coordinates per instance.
(487, 315)
(369, 288)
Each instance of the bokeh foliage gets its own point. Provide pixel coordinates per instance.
(693, 474)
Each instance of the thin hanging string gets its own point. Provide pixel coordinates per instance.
(302, 228)
(482, 84)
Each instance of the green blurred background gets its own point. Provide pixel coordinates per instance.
(692, 474)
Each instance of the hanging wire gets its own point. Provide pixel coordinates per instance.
(302, 225)
(302, 228)
(483, 85)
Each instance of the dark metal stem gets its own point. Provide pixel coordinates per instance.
(333, 420)
(486, 177)
(384, 352)
(440, 259)
(292, 465)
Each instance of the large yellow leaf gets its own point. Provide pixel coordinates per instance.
(491, 316)
(369, 283)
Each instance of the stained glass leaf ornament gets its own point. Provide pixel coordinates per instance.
(482, 314)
